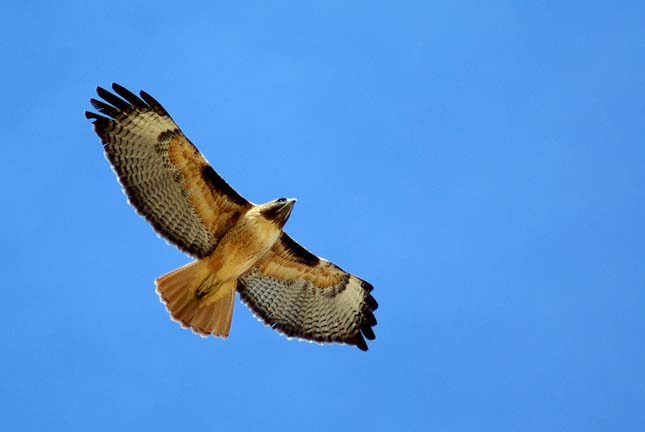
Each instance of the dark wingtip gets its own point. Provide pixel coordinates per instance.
(371, 302)
(360, 343)
(104, 108)
(368, 332)
(366, 285)
(112, 99)
(152, 102)
(93, 116)
(135, 100)
(101, 91)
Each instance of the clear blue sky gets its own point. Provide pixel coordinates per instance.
(480, 163)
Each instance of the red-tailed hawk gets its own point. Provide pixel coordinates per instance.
(238, 245)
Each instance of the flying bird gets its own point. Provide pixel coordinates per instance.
(237, 245)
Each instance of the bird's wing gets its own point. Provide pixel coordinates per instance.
(304, 296)
(163, 174)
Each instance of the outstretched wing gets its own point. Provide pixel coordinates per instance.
(304, 296)
(163, 174)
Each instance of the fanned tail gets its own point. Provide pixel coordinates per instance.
(195, 301)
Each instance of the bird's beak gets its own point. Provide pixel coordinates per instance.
(289, 206)
(285, 211)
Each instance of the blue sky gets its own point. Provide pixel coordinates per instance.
(480, 163)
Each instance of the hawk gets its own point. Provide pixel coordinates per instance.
(237, 245)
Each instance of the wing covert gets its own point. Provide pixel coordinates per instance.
(304, 296)
(164, 175)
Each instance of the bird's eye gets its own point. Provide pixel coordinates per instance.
(281, 199)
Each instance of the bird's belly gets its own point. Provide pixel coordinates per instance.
(239, 250)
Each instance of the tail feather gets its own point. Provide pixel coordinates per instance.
(178, 290)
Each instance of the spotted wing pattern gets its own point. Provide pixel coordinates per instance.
(163, 174)
(304, 296)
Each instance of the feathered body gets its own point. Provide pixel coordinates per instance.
(238, 245)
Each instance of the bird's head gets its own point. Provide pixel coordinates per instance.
(278, 210)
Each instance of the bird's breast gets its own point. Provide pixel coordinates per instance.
(242, 246)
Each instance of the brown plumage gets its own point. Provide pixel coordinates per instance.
(238, 245)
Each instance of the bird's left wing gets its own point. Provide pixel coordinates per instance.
(304, 296)
(163, 174)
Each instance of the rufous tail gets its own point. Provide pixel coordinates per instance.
(196, 301)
